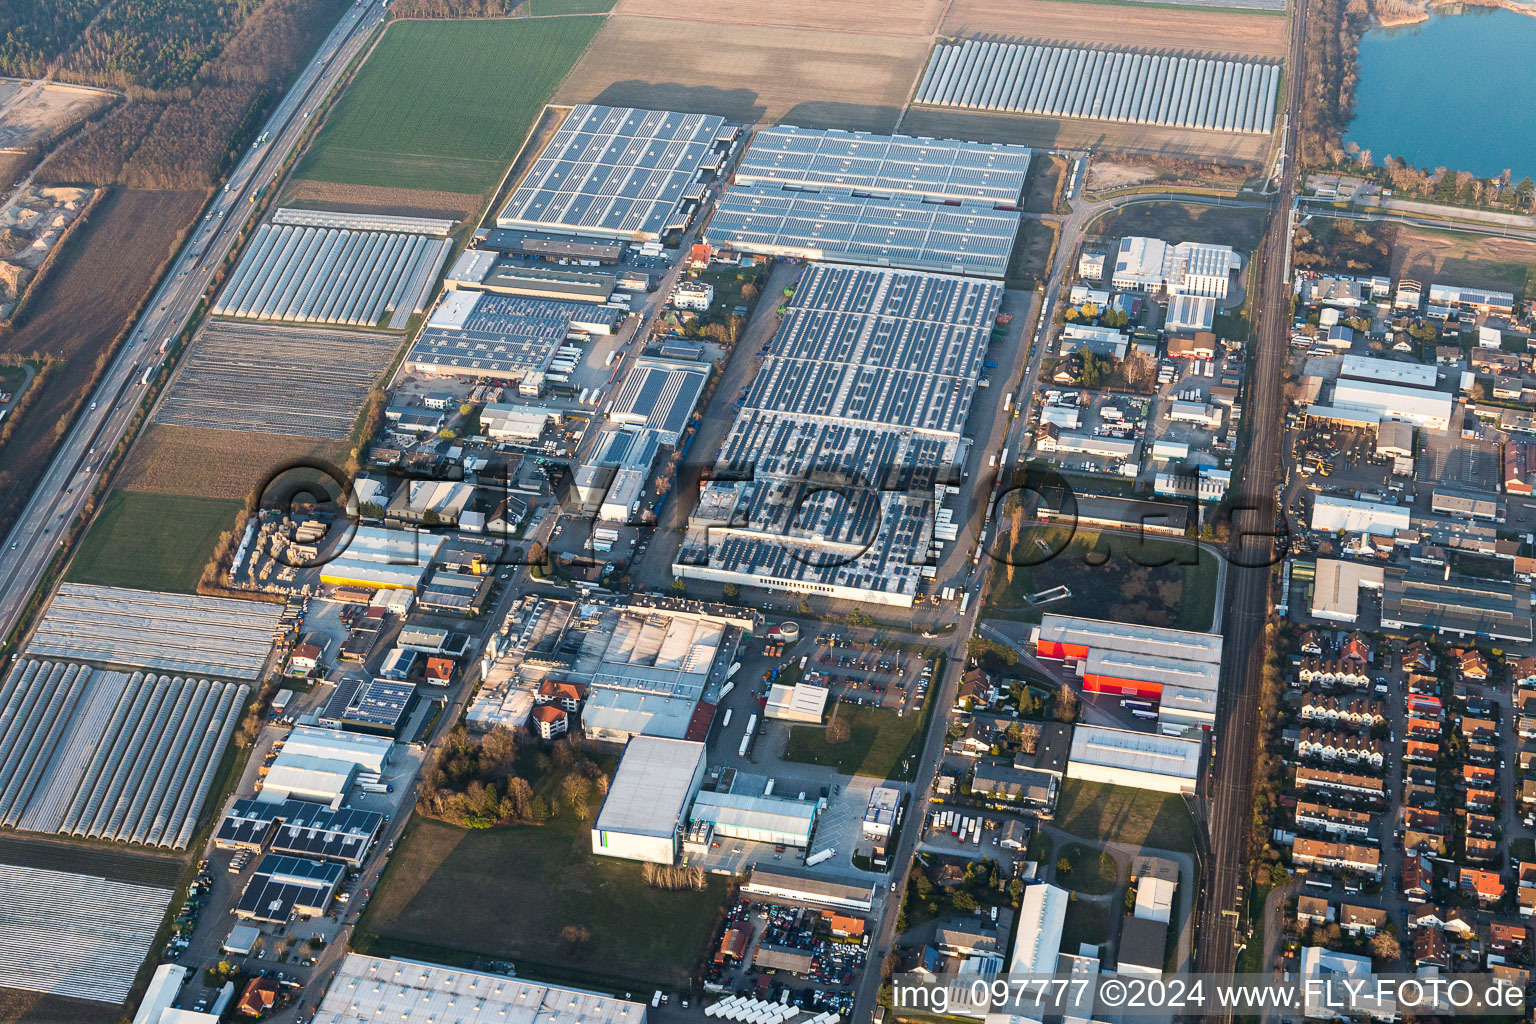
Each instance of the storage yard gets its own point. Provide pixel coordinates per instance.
(73, 935)
(111, 755)
(277, 380)
(157, 632)
(1141, 88)
(878, 393)
(327, 275)
(749, 74)
(619, 172)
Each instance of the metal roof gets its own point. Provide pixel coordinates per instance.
(651, 788)
(1136, 751)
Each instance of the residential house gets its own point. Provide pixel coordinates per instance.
(1430, 949)
(1486, 886)
(1313, 910)
(562, 694)
(549, 721)
(1357, 920)
(1312, 853)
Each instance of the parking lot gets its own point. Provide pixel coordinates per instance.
(835, 961)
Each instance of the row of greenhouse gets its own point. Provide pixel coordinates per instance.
(1210, 93)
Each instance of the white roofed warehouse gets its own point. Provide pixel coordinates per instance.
(1121, 757)
(1177, 668)
(647, 804)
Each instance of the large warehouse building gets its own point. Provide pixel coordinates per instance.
(647, 804)
(1331, 513)
(882, 200)
(503, 337)
(1179, 669)
(870, 376)
(758, 819)
(1121, 757)
(619, 172)
(1109, 85)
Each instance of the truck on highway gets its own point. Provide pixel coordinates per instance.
(149, 374)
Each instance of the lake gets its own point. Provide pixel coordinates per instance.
(1456, 91)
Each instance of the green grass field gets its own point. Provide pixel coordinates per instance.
(540, 8)
(1086, 922)
(878, 742)
(453, 894)
(152, 541)
(1146, 580)
(445, 105)
(1093, 870)
(1239, 227)
(1120, 814)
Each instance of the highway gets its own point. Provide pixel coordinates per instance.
(61, 492)
(1228, 806)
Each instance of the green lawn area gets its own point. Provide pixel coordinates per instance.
(1093, 871)
(878, 741)
(1121, 814)
(11, 378)
(1239, 227)
(152, 541)
(1087, 921)
(445, 105)
(452, 895)
(539, 8)
(1147, 580)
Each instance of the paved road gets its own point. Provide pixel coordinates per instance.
(1230, 786)
(62, 489)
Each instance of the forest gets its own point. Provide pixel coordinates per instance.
(187, 139)
(34, 32)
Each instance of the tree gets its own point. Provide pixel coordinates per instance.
(1384, 946)
(574, 937)
(1063, 866)
(679, 584)
(730, 591)
(1525, 192)
(838, 730)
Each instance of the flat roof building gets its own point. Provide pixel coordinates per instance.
(759, 819)
(382, 558)
(660, 397)
(1337, 585)
(802, 702)
(1450, 603)
(618, 172)
(1428, 409)
(1178, 668)
(506, 337)
(1331, 514)
(810, 887)
(1389, 371)
(1165, 764)
(647, 803)
(367, 989)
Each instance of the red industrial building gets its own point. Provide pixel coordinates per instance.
(1178, 669)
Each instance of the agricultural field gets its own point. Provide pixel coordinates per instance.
(1147, 581)
(1144, 26)
(435, 108)
(404, 202)
(542, 8)
(171, 460)
(152, 541)
(872, 17)
(1101, 136)
(1476, 261)
(72, 317)
(433, 903)
(815, 79)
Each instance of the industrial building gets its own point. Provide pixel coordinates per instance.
(367, 989)
(611, 480)
(320, 765)
(378, 706)
(1037, 941)
(838, 226)
(1111, 85)
(1430, 410)
(802, 702)
(893, 165)
(489, 271)
(1181, 670)
(619, 172)
(646, 808)
(74, 935)
(881, 812)
(299, 828)
(111, 755)
(1454, 604)
(869, 376)
(1120, 757)
(1188, 268)
(381, 558)
(758, 819)
(284, 886)
(1336, 588)
(1480, 300)
(320, 275)
(157, 631)
(1331, 514)
(1389, 371)
(804, 886)
(659, 396)
(505, 337)
(1190, 313)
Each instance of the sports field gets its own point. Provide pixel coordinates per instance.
(434, 902)
(152, 541)
(443, 106)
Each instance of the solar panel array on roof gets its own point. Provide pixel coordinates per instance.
(300, 828)
(854, 418)
(616, 171)
(896, 165)
(502, 335)
(850, 227)
(283, 886)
